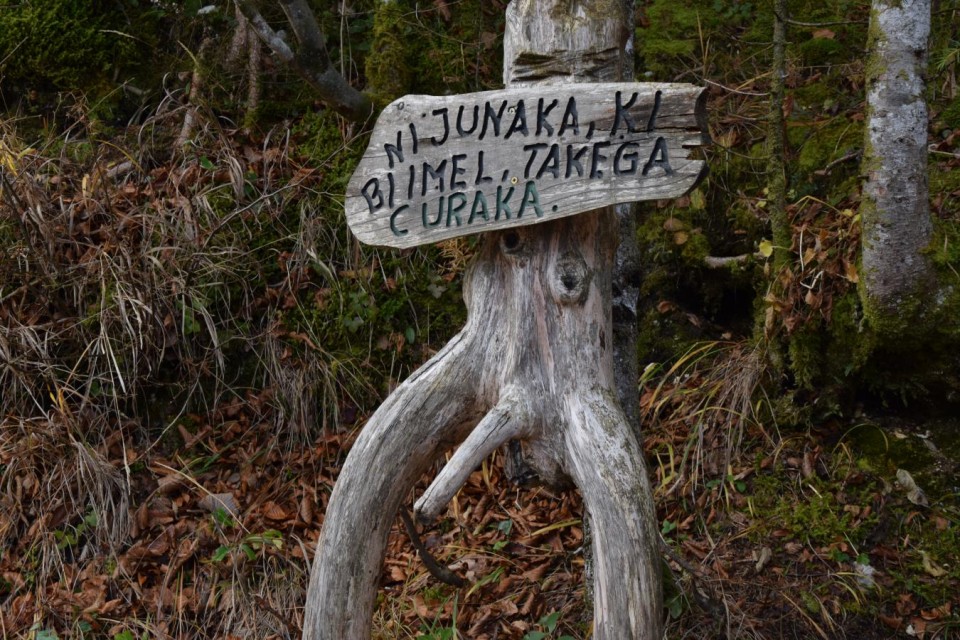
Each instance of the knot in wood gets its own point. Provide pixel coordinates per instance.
(570, 279)
(512, 242)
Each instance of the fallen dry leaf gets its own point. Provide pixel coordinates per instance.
(273, 511)
(213, 501)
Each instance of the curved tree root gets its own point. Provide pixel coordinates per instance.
(606, 463)
(437, 570)
(423, 417)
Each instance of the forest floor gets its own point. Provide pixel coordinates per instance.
(805, 535)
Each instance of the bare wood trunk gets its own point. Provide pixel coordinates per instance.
(311, 60)
(897, 226)
(534, 362)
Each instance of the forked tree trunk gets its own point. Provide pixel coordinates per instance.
(534, 362)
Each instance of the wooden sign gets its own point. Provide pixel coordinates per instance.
(438, 167)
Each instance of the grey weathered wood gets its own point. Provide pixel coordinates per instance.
(311, 61)
(533, 362)
(547, 152)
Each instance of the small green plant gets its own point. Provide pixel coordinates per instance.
(223, 519)
(493, 576)
(676, 605)
(504, 527)
(70, 535)
(250, 546)
(547, 628)
(739, 485)
(43, 634)
(436, 631)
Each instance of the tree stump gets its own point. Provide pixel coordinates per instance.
(534, 362)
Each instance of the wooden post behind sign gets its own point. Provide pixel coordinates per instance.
(534, 363)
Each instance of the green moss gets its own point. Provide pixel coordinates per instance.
(909, 354)
(821, 51)
(905, 325)
(945, 245)
(72, 43)
(814, 517)
(848, 345)
(826, 356)
(806, 356)
(824, 144)
(678, 29)
(884, 452)
(390, 64)
(419, 51)
(949, 117)
(945, 189)
(322, 141)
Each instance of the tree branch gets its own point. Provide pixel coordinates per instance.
(717, 262)
(307, 31)
(311, 62)
(510, 419)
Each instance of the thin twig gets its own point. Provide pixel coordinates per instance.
(944, 153)
(853, 155)
(437, 570)
(823, 24)
(716, 262)
(737, 91)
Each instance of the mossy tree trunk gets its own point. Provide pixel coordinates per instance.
(534, 362)
(897, 276)
(777, 183)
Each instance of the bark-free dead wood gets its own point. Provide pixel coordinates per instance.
(534, 361)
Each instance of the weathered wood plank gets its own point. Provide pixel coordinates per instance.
(438, 167)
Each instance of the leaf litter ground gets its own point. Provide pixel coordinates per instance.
(800, 541)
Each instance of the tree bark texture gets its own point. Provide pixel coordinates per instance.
(897, 226)
(534, 362)
(777, 169)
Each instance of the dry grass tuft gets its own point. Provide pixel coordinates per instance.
(65, 499)
(700, 409)
(140, 292)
